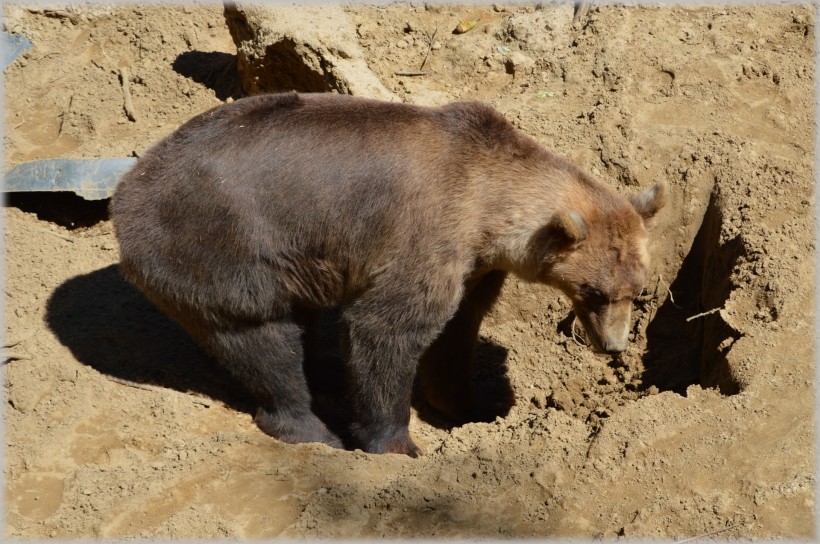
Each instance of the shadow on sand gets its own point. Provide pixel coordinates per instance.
(110, 326)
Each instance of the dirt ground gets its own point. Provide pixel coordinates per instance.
(117, 425)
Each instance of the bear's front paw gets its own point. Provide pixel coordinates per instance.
(387, 441)
(407, 447)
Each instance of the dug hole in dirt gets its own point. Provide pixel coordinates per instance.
(117, 425)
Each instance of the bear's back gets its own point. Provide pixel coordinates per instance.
(324, 186)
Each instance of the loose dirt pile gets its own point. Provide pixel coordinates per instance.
(118, 425)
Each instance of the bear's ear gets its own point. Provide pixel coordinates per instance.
(561, 233)
(568, 226)
(647, 203)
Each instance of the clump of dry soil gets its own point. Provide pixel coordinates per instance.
(118, 426)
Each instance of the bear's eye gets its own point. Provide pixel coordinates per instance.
(593, 294)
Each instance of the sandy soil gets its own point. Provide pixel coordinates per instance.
(118, 426)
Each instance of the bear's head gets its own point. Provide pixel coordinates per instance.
(598, 257)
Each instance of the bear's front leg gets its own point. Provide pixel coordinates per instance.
(387, 335)
(445, 370)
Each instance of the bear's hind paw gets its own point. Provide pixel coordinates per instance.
(296, 430)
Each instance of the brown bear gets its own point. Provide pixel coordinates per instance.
(256, 215)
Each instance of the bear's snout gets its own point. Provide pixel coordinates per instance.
(606, 326)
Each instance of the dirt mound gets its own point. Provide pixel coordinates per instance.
(117, 425)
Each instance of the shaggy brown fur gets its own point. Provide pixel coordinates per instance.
(255, 215)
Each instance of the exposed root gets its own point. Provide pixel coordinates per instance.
(12, 343)
(575, 336)
(9, 356)
(668, 290)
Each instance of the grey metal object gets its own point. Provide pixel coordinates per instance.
(11, 46)
(92, 179)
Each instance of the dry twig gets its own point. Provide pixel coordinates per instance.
(706, 534)
(430, 40)
(57, 234)
(63, 114)
(135, 385)
(421, 71)
(147, 387)
(713, 310)
(126, 91)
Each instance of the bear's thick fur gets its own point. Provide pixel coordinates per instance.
(256, 215)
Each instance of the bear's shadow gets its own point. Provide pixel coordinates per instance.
(110, 326)
(215, 70)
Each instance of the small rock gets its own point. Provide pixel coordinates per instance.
(518, 63)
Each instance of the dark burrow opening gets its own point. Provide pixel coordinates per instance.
(681, 351)
(284, 70)
(62, 208)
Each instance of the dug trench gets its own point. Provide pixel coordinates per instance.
(679, 338)
(687, 341)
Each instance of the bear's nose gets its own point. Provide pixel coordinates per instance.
(614, 347)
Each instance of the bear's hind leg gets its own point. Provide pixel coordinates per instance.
(267, 358)
(445, 369)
